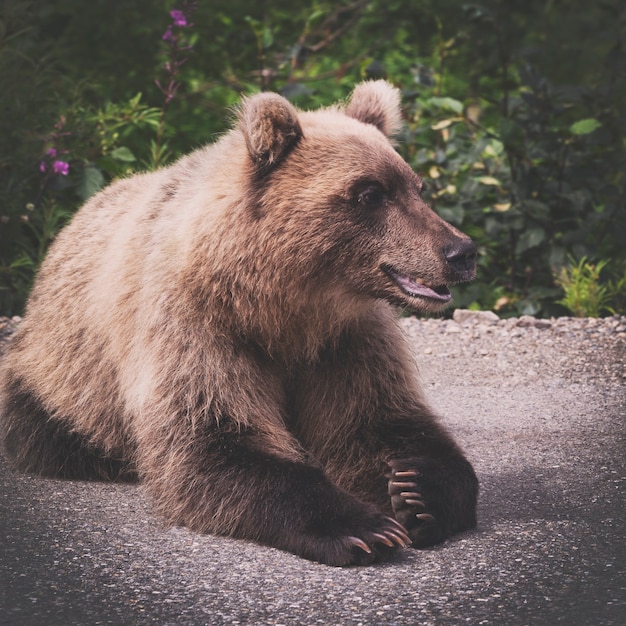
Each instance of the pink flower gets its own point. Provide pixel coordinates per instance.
(42, 167)
(61, 167)
(52, 152)
(167, 35)
(178, 17)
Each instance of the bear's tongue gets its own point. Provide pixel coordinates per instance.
(413, 288)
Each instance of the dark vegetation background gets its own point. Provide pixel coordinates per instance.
(515, 115)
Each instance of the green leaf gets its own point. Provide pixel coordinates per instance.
(123, 154)
(447, 103)
(530, 238)
(315, 15)
(494, 148)
(22, 261)
(268, 37)
(91, 181)
(584, 127)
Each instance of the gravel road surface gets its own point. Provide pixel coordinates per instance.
(540, 408)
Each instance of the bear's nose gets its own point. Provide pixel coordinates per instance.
(461, 255)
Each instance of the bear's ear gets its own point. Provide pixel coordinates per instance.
(270, 126)
(376, 102)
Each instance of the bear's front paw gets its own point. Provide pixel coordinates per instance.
(410, 506)
(359, 541)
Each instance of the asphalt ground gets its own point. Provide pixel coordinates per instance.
(547, 441)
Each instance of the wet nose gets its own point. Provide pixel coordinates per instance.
(461, 256)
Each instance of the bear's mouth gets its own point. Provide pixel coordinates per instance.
(416, 288)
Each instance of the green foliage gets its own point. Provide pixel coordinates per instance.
(101, 145)
(617, 289)
(584, 127)
(116, 128)
(532, 171)
(585, 295)
(516, 126)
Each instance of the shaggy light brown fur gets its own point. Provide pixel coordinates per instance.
(224, 330)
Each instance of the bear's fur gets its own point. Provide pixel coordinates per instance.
(223, 330)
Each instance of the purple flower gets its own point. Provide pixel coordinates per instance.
(42, 167)
(167, 35)
(52, 152)
(178, 17)
(61, 167)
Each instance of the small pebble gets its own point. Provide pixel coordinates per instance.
(576, 349)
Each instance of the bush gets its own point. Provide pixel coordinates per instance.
(517, 129)
(585, 296)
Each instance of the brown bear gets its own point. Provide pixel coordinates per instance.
(224, 330)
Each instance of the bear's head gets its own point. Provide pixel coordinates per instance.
(343, 210)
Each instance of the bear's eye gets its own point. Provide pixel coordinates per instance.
(371, 197)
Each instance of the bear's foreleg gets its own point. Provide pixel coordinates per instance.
(221, 480)
(359, 410)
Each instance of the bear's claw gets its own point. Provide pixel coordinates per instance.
(407, 474)
(359, 543)
(383, 539)
(401, 539)
(398, 532)
(409, 505)
(371, 544)
(399, 485)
